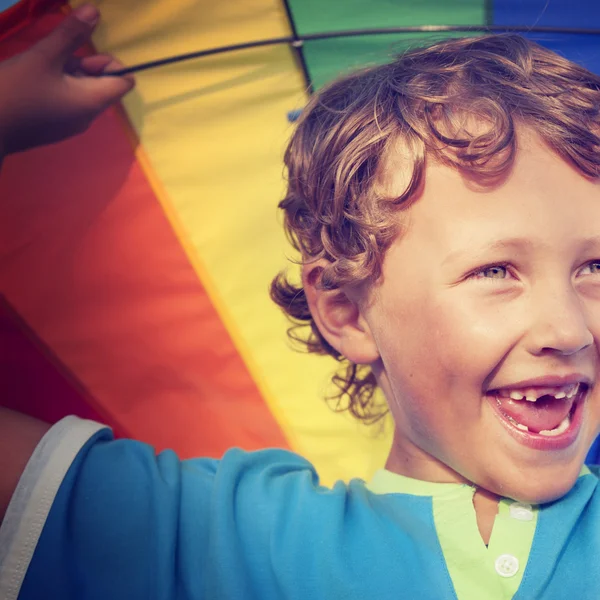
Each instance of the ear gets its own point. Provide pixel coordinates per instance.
(338, 317)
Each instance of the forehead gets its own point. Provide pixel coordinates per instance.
(543, 198)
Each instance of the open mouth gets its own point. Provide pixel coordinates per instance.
(541, 418)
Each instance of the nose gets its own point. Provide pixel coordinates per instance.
(560, 324)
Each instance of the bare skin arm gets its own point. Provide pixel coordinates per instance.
(19, 435)
(47, 95)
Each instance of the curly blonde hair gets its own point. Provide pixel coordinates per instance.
(423, 101)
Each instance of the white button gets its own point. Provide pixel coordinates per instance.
(521, 511)
(506, 565)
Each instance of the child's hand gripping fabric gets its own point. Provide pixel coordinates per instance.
(47, 94)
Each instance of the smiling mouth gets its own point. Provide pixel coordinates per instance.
(545, 421)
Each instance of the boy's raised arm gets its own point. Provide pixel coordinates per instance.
(46, 95)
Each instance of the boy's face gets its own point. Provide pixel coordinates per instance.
(482, 292)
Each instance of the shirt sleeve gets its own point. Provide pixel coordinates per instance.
(96, 518)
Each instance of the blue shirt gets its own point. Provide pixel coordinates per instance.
(94, 518)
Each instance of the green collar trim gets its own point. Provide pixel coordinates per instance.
(387, 482)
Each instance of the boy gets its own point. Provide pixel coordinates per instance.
(446, 207)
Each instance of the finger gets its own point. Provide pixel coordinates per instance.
(113, 66)
(73, 65)
(95, 65)
(99, 93)
(101, 64)
(74, 31)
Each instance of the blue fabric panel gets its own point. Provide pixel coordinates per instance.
(4, 4)
(547, 13)
(582, 49)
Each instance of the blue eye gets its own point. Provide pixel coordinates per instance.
(594, 267)
(493, 272)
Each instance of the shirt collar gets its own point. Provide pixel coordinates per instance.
(386, 482)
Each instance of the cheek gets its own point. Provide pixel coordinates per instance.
(592, 313)
(424, 350)
(472, 337)
(448, 338)
(437, 354)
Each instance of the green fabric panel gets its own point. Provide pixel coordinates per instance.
(326, 59)
(316, 16)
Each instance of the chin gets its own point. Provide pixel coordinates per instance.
(541, 487)
(541, 494)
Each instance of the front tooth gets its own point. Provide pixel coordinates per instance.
(560, 395)
(523, 427)
(530, 398)
(516, 395)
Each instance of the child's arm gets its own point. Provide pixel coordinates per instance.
(47, 94)
(19, 435)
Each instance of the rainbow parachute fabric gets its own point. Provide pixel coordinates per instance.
(135, 259)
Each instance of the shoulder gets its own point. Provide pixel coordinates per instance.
(87, 500)
(256, 492)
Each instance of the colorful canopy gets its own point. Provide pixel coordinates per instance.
(135, 259)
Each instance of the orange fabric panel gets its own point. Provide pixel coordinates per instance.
(90, 262)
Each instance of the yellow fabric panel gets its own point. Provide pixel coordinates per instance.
(214, 131)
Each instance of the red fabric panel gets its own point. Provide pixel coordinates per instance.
(24, 18)
(89, 260)
(32, 380)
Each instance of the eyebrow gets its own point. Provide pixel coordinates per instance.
(591, 243)
(523, 245)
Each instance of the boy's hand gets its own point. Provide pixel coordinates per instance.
(47, 94)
